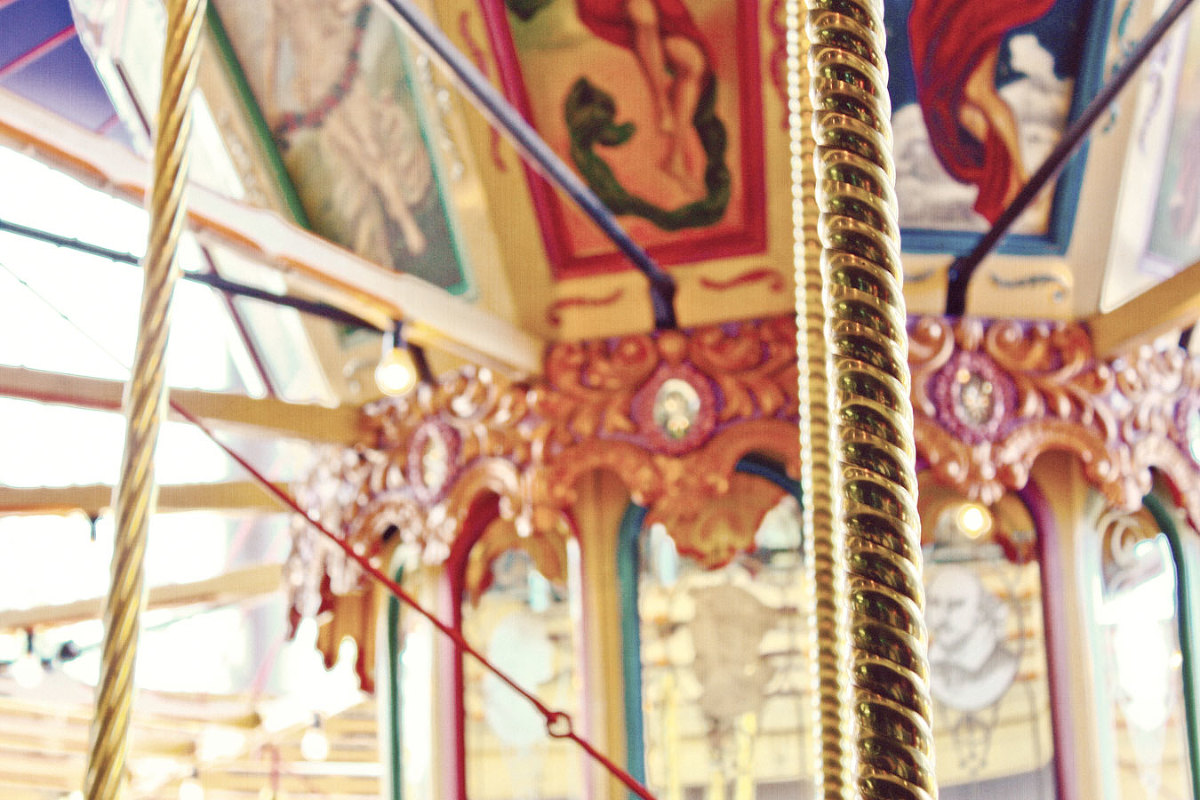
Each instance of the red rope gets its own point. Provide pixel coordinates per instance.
(558, 723)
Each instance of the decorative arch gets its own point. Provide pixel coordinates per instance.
(673, 412)
(990, 397)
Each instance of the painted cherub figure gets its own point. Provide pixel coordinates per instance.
(369, 142)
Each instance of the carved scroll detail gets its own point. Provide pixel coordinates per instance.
(424, 460)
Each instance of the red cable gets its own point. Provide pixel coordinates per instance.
(558, 723)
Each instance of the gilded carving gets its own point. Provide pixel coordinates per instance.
(1047, 392)
(549, 556)
(988, 398)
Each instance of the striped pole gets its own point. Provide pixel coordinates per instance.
(874, 474)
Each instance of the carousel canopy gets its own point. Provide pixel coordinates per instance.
(337, 166)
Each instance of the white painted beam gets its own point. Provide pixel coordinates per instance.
(334, 274)
(225, 411)
(239, 584)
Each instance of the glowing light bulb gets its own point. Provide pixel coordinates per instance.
(314, 744)
(28, 671)
(973, 520)
(396, 373)
(190, 788)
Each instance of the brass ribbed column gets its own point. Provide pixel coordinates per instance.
(145, 405)
(874, 465)
(824, 557)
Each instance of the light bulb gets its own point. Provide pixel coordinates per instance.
(396, 373)
(314, 744)
(28, 671)
(190, 788)
(973, 520)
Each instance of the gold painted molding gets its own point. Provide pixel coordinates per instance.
(422, 462)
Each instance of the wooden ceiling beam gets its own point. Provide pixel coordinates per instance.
(11, 791)
(239, 497)
(33, 739)
(27, 780)
(235, 585)
(236, 413)
(1168, 307)
(363, 785)
(330, 272)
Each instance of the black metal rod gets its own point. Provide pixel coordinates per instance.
(420, 361)
(69, 243)
(493, 104)
(313, 307)
(964, 267)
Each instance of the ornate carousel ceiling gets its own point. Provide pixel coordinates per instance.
(334, 161)
(331, 120)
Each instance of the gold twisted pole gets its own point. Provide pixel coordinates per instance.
(145, 404)
(824, 555)
(875, 475)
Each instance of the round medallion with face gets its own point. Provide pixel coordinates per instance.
(973, 396)
(432, 460)
(675, 409)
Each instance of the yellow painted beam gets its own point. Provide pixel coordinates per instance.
(235, 585)
(1170, 306)
(233, 497)
(322, 785)
(229, 411)
(162, 715)
(330, 272)
(33, 737)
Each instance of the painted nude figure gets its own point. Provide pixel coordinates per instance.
(955, 49)
(674, 61)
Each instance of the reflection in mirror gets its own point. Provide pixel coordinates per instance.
(987, 648)
(1135, 629)
(723, 669)
(516, 610)
(412, 686)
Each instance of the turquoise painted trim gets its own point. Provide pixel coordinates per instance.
(628, 568)
(766, 468)
(959, 243)
(464, 287)
(1091, 79)
(283, 182)
(1070, 181)
(1166, 524)
(395, 750)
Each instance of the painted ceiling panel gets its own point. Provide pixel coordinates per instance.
(42, 59)
(28, 23)
(980, 95)
(674, 117)
(679, 155)
(341, 96)
(65, 82)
